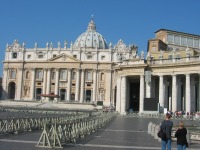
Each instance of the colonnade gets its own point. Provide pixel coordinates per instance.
(180, 93)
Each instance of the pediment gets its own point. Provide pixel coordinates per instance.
(64, 58)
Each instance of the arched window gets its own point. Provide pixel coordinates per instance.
(39, 74)
(13, 74)
(63, 75)
(27, 75)
(53, 76)
(88, 75)
(102, 78)
(73, 75)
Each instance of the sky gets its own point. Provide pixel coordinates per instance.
(133, 21)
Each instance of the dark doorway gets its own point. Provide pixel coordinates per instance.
(134, 96)
(38, 91)
(62, 94)
(11, 90)
(88, 95)
(72, 96)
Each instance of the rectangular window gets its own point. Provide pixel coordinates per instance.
(170, 38)
(177, 39)
(183, 41)
(54, 55)
(28, 56)
(103, 57)
(196, 42)
(14, 55)
(190, 42)
(75, 56)
(170, 57)
(40, 56)
(89, 56)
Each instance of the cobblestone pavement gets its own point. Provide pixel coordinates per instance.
(121, 134)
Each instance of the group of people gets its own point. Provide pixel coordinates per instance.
(181, 132)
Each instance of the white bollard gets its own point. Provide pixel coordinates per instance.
(149, 127)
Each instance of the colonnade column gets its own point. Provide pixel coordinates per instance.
(48, 88)
(57, 83)
(141, 93)
(77, 85)
(161, 93)
(123, 95)
(44, 82)
(32, 89)
(118, 102)
(94, 85)
(19, 83)
(198, 101)
(69, 84)
(5, 84)
(174, 93)
(82, 85)
(187, 94)
(108, 87)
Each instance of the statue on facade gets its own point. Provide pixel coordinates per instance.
(36, 45)
(110, 45)
(47, 45)
(142, 55)
(161, 54)
(59, 44)
(23, 45)
(51, 45)
(65, 44)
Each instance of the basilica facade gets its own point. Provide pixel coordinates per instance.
(91, 70)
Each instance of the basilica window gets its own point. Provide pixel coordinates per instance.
(196, 42)
(170, 38)
(103, 57)
(102, 77)
(27, 75)
(13, 74)
(14, 55)
(73, 75)
(28, 56)
(89, 57)
(40, 56)
(63, 74)
(190, 42)
(53, 76)
(39, 74)
(88, 75)
(183, 41)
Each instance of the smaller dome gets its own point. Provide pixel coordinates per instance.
(91, 38)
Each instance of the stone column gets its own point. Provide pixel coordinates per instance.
(187, 94)
(77, 85)
(108, 87)
(57, 83)
(94, 85)
(19, 83)
(141, 93)
(161, 93)
(198, 101)
(69, 80)
(82, 85)
(5, 84)
(44, 82)
(48, 88)
(174, 93)
(148, 89)
(123, 95)
(32, 89)
(118, 95)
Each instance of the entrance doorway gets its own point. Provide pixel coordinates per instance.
(134, 96)
(38, 91)
(62, 94)
(88, 95)
(11, 90)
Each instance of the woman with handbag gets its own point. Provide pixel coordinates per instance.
(166, 127)
(181, 137)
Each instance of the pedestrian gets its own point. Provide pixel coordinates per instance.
(166, 126)
(180, 134)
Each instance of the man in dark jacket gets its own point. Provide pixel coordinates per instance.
(181, 137)
(166, 126)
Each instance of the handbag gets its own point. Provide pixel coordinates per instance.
(161, 134)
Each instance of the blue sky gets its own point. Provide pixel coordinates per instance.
(133, 21)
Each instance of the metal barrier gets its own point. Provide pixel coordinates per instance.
(17, 125)
(55, 134)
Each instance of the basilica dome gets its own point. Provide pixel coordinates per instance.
(91, 38)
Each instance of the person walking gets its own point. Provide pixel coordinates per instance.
(166, 126)
(181, 137)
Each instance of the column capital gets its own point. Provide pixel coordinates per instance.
(32, 69)
(20, 68)
(6, 69)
